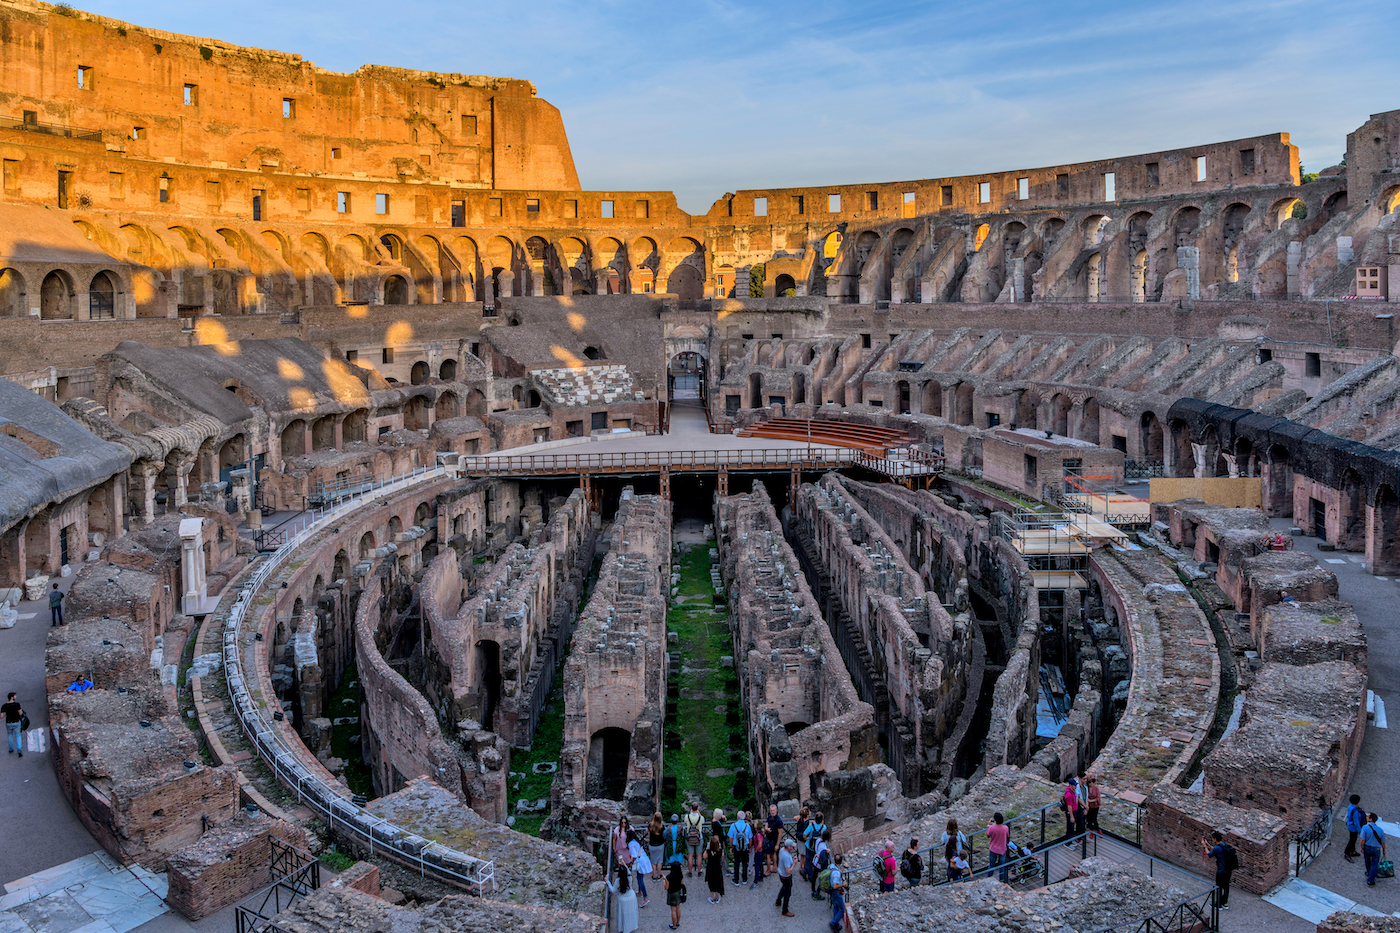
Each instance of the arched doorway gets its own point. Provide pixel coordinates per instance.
(1384, 550)
(784, 286)
(964, 411)
(1151, 439)
(685, 376)
(102, 298)
(396, 290)
(933, 399)
(1351, 513)
(488, 673)
(902, 391)
(1277, 485)
(608, 753)
(294, 439)
(367, 545)
(447, 372)
(1183, 460)
(55, 297)
(419, 373)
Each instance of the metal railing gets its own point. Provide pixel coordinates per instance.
(1310, 842)
(910, 463)
(343, 816)
(51, 129)
(270, 539)
(326, 493)
(1198, 913)
(295, 874)
(1134, 469)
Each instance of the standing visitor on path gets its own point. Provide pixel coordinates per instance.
(887, 867)
(675, 888)
(787, 861)
(1373, 847)
(756, 846)
(1226, 861)
(799, 832)
(773, 834)
(1093, 799)
(998, 835)
(911, 864)
(821, 861)
(641, 863)
(675, 841)
(1356, 821)
(717, 824)
(621, 835)
(714, 869)
(695, 836)
(1069, 806)
(815, 827)
(740, 835)
(14, 716)
(626, 901)
(838, 897)
(55, 606)
(656, 844)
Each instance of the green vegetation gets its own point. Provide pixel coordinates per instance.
(346, 703)
(206, 53)
(547, 746)
(709, 707)
(336, 861)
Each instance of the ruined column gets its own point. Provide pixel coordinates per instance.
(194, 600)
(143, 488)
(1188, 260)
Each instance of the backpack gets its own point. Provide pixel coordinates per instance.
(1064, 807)
(814, 833)
(1232, 859)
(824, 880)
(911, 867)
(692, 834)
(878, 867)
(673, 834)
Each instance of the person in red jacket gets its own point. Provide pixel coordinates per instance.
(887, 856)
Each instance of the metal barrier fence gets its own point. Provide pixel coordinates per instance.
(1311, 841)
(378, 835)
(295, 874)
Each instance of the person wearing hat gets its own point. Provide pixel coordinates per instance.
(787, 860)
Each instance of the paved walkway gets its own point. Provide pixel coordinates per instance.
(742, 909)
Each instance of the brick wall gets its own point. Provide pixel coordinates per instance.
(226, 864)
(1176, 821)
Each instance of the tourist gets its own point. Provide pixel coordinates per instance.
(714, 868)
(838, 896)
(1225, 863)
(998, 837)
(717, 823)
(959, 864)
(887, 864)
(675, 841)
(810, 837)
(55, 606)
(911, 864)
(1372, 847)
(799, 832)
(1093, 799)
(952, 832)
(80, 684)
(756, 845)
(820, 861)
(621, 834)
(740, 835)
(950, 860)
(1069, 806)
(695, 836)
(626, 901)
(773, 833)
(1286, 597)
(1356, 820)
(675, 890)
(641, 864)
(14, 717)
(787, 861)
(656, 844)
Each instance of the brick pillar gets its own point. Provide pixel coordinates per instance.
(143, 488)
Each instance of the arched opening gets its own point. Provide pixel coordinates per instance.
(12, 294)
(396, 290)
(1351, 513)
(341, 568)
(99, 514)
(447, 372)
(415, 414)
(55, 297)
(981, 237)
(1385, 532)
(1210, 463)
(532, 398)
(367, 545)
(1183, 460)
(1151, 439)
(488, 671)
(685, 376)
(902, 391)
(447, 406)
(421, 515)
(294, 439)
(1283, 210)
(419, 373)
(353, 427)
(102, 298)
(1089, 422)
(933, 399)
(1059, 414)
(964, 410)
(1277, 486)
(1139, 279)
(323, 433)
(1244, 457)
(784, 286)
(608, 753)
(395, 527)
(593, 353)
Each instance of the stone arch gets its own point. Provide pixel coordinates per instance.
(609, 751)
(500, 265)
(1093, 227)
(933, 399)
(612, 256)
(293, 439)
(1088, 427)
(102, 297)
(355, 245)
(415, 413)
(1384, 546)
(1183, 459)
(784, 286)
(13, 294)
(1151, 440)
(354, 427)
(1335, 204)
(1389, 203)
(396, 290)
(447, 371)
(685, 258)
(419, 373)
(980, 237)
(1244, 457)
(1277, 485)
(393, 245)
(645, 255)
(56, 296)
(1211, 461)
(1282, 210)
(340, 568)
(447, 406)
(323, 433)
(367, 545)
(867, 244)
(1233, 221)
(1185, 224)
(537, 256)
(963, 411)
(1351, 512)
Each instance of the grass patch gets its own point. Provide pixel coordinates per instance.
(547, 746)
(336, 861)
(344, 703)
(703, 637)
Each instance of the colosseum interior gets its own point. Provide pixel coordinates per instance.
(414, 504)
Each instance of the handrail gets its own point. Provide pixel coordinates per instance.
(342, 815)
(817, 457)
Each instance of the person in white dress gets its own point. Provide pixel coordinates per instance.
(626, 900)
(641, 862)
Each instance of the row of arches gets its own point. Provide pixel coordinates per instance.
(62, 294)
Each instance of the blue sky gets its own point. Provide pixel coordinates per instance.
(709, 96)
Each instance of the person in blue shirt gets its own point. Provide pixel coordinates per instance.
(740, 838)
(1372, 847)
(838, 896)
(1356, 819)
(1223, 854)
(80, 684)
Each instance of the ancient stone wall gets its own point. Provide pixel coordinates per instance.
(812, 724)
(615, 677)
(226, 864)
(1177, 822)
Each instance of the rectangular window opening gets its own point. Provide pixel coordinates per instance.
(910, 202)
(335, 152)
(84, 78)
(1198, 168)
(289, 108)
(571, 208)
(1023, 189)
(211, 194)
(138, 132)
(865, 341)
(1110, 186)
(872, 200)
(799, 204)
(760, 207)
(163, 189)
(191, 95)
(11, 179)
(381, 204)
(833, 203)
(496, 207)
(1154, 174)
(1247, 161)
(1062, 185)
(606, 209)
(257, 205)
(65, 185)
(947, 196)
(468, 124)
(303, 199)
(642, 210)
(532, 205)
(116, 185)
(1312, 364)
(352, 356)
(984, 192)
(342, 202)
(459, 213)
(387, 356)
